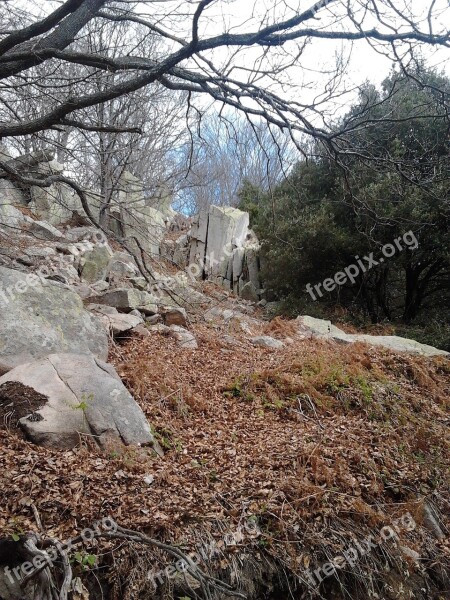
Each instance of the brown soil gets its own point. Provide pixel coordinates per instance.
(17, 401)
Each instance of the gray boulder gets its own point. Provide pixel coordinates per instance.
(120, 323)
(127, 299)
(398, 344)
(39, 317)
(265, 341)
(321, 328)
(43, 231)
(95, 263)
(248, 292)
(10, 199)
(53, 204)
(325, 329)
(185, 339)
(86, 398)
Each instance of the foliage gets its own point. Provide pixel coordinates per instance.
(325, 215)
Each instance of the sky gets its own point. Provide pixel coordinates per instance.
(309, 74)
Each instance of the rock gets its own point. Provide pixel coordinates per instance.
(52, 167)
(325, 329)
(140, 283)
(266, 341)
(233, 319)
(142, 330)
(103, 309)
(82, 290)
(252, 267)
(120, 323)
(85, 398)
(136, 218)
(223, 249)
(398, 344)
(114, 321)
(43, 231)
(180, 254)
(85, 233)
(174, 316)
(54, 204)
(154, 319)
(127, 299)
(10, 199)
(230, 341)
(100, 286)
(185, 338)
(237, 265)
(64, 272)
(39, 317)
(181, 289)
(28, 162)
(217, 314)
(320, 327)
(122, 265)
(96, 263)
(40, 251)
(248, 292)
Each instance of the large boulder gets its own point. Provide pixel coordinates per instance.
(224, 250)
(85, 399)
(39, 317)
(320, 328)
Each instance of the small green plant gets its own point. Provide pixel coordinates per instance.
(235, 389)
(86, 561)
(17, 531)
(277, 404)
(364, 386)
(84, 402)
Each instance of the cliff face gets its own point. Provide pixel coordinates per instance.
(222, 243)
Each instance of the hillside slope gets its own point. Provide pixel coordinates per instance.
(277, 460)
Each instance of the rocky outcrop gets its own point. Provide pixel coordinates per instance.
(85, 398)
(39, 317)
(226, 250)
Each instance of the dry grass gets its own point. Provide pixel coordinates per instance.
(318, 443)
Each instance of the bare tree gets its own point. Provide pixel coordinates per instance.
(205, 50)
(257, 58)
(224, 151)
